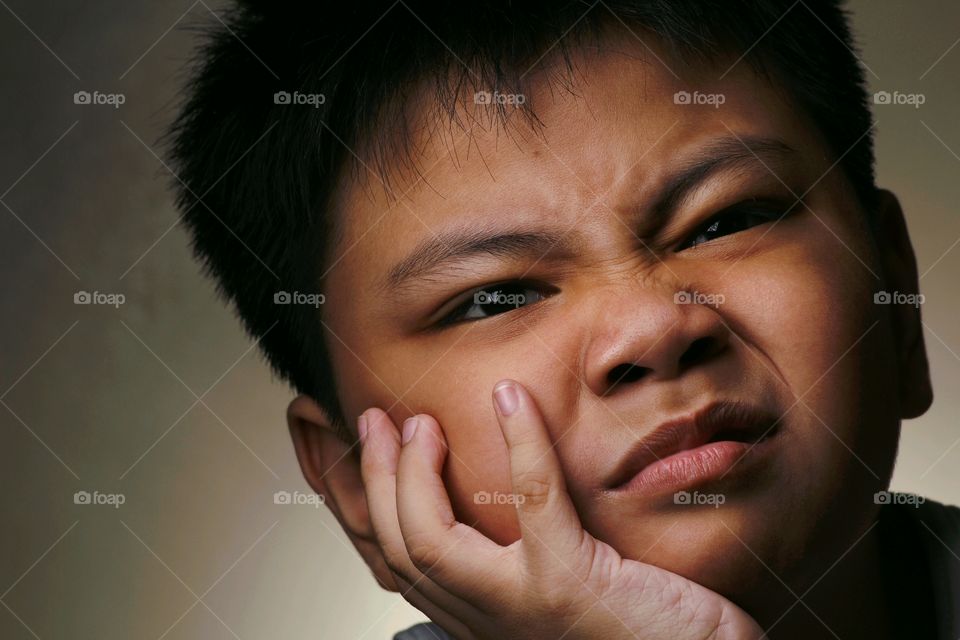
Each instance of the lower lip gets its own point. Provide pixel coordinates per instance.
(695, 467)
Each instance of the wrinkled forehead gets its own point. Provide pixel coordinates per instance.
(436, 141)
(611, 111)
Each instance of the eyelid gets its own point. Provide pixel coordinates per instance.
(776, 207)
(441, 317)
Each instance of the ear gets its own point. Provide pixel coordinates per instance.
(331, 467)
(900, 270)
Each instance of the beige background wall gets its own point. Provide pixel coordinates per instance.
(163, 399)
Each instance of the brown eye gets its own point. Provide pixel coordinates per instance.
(495, 300)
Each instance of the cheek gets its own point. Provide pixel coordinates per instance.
(477, 472)
(807, 311)
(457, 391)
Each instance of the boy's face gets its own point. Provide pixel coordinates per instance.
(608, 208)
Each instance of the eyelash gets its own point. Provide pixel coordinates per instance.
(503, 294)
(763, 212)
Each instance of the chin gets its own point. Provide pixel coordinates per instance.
(731, 550)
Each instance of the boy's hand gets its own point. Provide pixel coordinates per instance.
(555, 581)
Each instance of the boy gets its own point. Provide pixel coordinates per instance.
(596, 284)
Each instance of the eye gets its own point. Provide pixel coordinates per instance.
(734, 220)
(494, 300)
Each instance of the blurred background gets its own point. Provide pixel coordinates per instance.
(143, 442)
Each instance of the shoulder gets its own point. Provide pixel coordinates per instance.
(938, 527)
(940, 517)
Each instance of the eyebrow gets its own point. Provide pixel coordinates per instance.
(721, 154)
(449, 247)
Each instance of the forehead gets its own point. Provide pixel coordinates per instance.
(603, 140)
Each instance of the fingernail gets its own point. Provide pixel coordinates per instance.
(409, 428)
(362, 428)
(506, 397)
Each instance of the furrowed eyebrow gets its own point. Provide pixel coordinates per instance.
(448, 248)
(722, 154)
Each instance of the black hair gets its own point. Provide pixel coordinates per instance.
(256, 177)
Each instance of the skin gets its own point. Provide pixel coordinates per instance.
(797, 332)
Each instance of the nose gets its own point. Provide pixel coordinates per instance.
(651, 336)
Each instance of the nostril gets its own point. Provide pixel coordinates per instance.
(699, 350)
(624, 374)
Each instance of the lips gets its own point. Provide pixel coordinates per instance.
(697, 446)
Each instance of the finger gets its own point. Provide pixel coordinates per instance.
(378, 467)
(454, 555)
(549, 524)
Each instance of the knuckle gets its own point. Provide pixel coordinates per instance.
(396, 560)
(534, 487)
(424, 553)
(408, 590)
